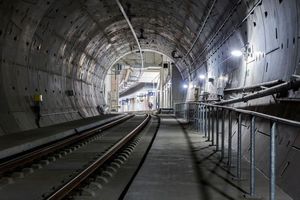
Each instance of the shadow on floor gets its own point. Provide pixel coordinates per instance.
(207, 165)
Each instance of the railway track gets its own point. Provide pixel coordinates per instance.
(11, 163)
(64, 169)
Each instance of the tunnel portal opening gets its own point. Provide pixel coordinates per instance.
(130, 85)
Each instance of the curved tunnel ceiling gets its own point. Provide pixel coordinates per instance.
(94, 33)
(53, 47)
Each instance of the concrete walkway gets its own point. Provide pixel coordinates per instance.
(182, 165)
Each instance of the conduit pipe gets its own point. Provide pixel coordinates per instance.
(201, 29)
(258, 3)
(132, 30)
(252, 87)
(293, 84)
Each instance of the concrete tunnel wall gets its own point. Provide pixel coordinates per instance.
(57, 46)
(269, 40)
(54, 47)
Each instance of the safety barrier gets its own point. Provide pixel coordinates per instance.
(209, 119)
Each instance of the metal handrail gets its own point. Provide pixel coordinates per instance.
(254, 113)
(206, 116)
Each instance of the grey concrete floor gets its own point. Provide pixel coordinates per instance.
(182, 165)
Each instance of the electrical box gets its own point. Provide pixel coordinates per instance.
(38, 98)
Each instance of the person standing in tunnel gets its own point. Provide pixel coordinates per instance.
(37, 109)
(150, 105)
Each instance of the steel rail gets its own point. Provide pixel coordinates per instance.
(79, 178)
(38, 153)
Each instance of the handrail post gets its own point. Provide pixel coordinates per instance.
(223, 134)
(202, 119)
(188, 113)
(205, 123)
(209, 115)
(212, 126)
(199, 117)
(252, 157)
(239, 146)
(273, 161)
(229, 139)
(183, 110)
(217, 129)
(195, 117)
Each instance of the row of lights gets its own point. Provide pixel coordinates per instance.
(234, 53)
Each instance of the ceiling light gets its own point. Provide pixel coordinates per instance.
(185, 86)
(236, 53)
(224, 78)
(202, 76)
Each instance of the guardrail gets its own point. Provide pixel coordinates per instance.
(205, 118)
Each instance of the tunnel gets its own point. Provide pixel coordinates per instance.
(63, 62)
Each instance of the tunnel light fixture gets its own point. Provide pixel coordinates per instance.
(202, 77)
(236, 53)
(190, 85)
(223, 78)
